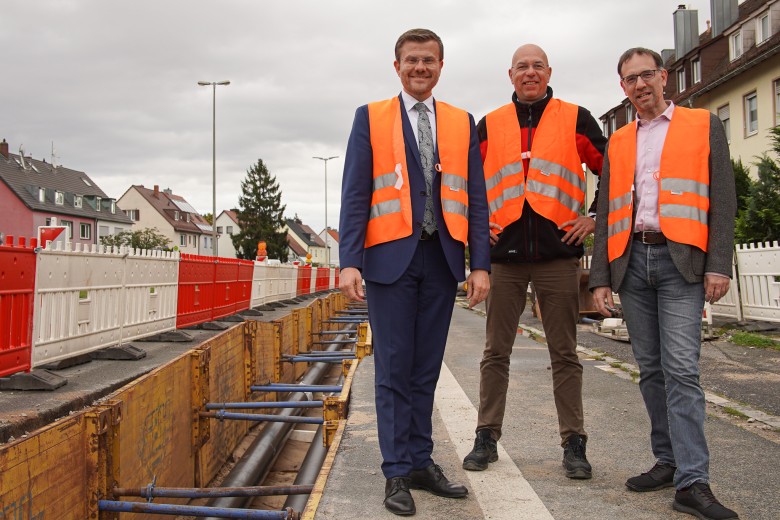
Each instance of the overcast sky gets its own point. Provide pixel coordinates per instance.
(113, 84)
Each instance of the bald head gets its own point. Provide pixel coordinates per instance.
(530, 49)
(530, 73)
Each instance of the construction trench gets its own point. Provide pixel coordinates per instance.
(236, 427)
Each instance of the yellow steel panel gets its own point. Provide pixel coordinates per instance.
(155, 436)
(226, 384)
(45, 475)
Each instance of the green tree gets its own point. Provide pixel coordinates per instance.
(760, 220)
(149, 238)
(260, 215)
(743, 183)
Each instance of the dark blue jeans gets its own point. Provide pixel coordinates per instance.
(663, 315)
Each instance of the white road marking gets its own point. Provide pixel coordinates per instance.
(502, 491)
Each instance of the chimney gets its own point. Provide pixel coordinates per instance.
(4, 149)
(156, 191)
(686, 30)
(723, 13)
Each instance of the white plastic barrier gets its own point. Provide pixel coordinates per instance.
(93, 297)
(332, 279)
(273, 283)
(288, 282)
(758, 266)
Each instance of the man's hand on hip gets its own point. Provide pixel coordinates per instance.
(351, 284)
(581, 227)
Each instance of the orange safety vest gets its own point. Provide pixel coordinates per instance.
(684, 194)
(391, 203)
(555, 184)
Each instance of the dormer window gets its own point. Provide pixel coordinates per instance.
(77, 202)
(188, 217)
(762, 28)
(59, 198)
(680, 79)
(175, 215)
(98, 202)
(696, 70)
(41, 194)
(735, 45)
(113, 206)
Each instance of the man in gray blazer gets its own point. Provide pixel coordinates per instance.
(664, 241)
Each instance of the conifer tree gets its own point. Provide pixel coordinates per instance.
(760, 220)
(260, 215)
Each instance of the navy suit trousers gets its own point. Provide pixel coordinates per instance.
(410, 319)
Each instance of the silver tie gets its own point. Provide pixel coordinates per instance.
(425, 144)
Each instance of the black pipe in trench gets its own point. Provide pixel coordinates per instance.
(261, 454)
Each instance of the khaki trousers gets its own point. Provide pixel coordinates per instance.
(556, 283)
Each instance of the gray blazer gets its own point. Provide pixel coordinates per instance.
(691, 261)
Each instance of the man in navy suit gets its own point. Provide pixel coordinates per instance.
(413, 196)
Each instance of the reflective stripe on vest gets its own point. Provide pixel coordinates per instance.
(555, 185)
(391, 205)
(683, 196)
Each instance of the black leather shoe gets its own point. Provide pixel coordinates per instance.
(698, 500)
(485, 451)
(432, 479)
(660, 476)
(398, 500)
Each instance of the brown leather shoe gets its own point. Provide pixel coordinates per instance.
(398, 499)
(432, 479)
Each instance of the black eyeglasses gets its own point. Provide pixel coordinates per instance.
(646, 75)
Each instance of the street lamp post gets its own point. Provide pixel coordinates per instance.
(213, 160)
(327, 232)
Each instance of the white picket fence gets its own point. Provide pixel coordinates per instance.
(755, 284)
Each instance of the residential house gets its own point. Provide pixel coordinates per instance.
(333, 244)
(227, 225)
(732, 70)
(37, 193)
(307, 239)
(172, 215)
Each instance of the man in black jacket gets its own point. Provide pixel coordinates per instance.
(533, 150)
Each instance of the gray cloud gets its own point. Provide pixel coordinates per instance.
(113, 84)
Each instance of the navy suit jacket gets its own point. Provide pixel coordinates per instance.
(386, 262)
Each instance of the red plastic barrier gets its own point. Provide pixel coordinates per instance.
(17, 293)
(196, 290)
(225, 280)
(336, 282)
(304, 280)
(243, 292)
(323, 279)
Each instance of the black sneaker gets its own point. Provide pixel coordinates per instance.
(484, 451)
(660, 476)
(698, 500)
(574, 460)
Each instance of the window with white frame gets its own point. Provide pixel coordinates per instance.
(725, 118)
(98, 202)
(777, 101)
(605, 128)
(735, 45)
(134, 214)
(183, 240)
(68, 224)
(696, 71)
(41, 194)
(762, 28)
(629, 113)
(77, 202)
(59, 198)
(612, 124)
(680, 79)
(113, 206)
(175, 215)
(85, 231)
(751, 114)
